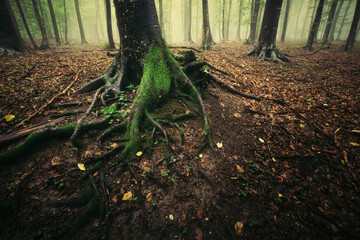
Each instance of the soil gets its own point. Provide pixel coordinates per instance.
(286, 167)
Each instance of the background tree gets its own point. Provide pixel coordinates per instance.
(108, 25)
(238, 31)
(78, 15)
(44, 39)
(266, 45)
(354, 25)
(330, 22)
(53, 20)
(254, 15)
(288, 2)
(343, 20)
(187, 21)
(227, 32)
(161, 16)
(9, 31)
(315, 26)
(18, 4)
(65, 24)
(207, 40)
(336, 18)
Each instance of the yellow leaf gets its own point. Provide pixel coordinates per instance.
(187, 112)
(354, 144)
(171, 217)
(233, 178)
(127, 196)
(238, 228)
(271, 115)
(261, 140)
(139, 153)
(148, 197)
(240, 169)
(200, 155)
(55, 161)
(9, 118)
(280, 195)
(81, 166)
(355, 131)
(219, 144)
(24, 175)
(237, 115)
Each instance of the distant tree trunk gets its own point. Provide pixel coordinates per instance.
(343, 20)
(77, 8)
(25, 24)
(227, 37)
(108, 25)
(207, 40)
(254, 16)
(315, 26)
(336, 18)
(288, 2)
(9, 32)
(266, 45)
(44, 18)
(330, 22)
(66, 29)
(306, 19)
(297, 19)
(238, 32)
(161, 16)
(354, 25)
(223, 22)
(187, 22)
(44, 41)
(259, 19)
(53, 19)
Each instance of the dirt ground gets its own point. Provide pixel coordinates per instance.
(287, 164)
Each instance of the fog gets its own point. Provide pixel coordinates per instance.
(94, 20)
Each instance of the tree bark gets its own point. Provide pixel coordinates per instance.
(315, 26)
(187, 21)
(53, 19)
(354, 25)
(82, 34)
(108, 25)
(266, 45)
(207, 40)
(25, 24)
(223, 21)
(238, 32)
(288, 2)
(330, 22)
(336, 18)
(254, 17)
(343, 21)
(161, 16)
(297, 19)
(65, 20)
(227, 37)
(306, 19)
(44, 41)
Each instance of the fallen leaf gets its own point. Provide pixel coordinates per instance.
(55, 161)
(354, 144)
(24, 175)
(203, 163)
(139, 153)
(280, 195)
(148, 197)
(355, 131)
(200, 155)
(171, 217)
(219, 144)
(308, 99)
(238, 228)
(127, 196)
(261, 140)
(187, 112)
(114, 199)
(240, 169)
(9, 118)
(81, 166)
(237, 115)
(233, 178)
(199, 234)
(114, 145)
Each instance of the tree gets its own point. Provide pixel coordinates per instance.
(161, 16)
(227, 33)
(187, 21)
(82, 34)
(343, 20)
(288, 2)
(354, 25)
(44, 39)
(9, 31)
(53, 20)
(306, 18)
(330, 22)
(333, 26)
(297, 19)
(254, 15)
(266, 45)
(65, 20)
(108, 25)
(207, 40)
(223, 21)
(315, 26)
(25, 24)
(238, 36)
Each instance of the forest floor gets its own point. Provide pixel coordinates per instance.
(288, 165)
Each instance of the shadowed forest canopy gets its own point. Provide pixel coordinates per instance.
(179, 119)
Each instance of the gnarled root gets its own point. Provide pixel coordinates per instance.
(268, 53)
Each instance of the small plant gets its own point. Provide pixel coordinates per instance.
(154, 202)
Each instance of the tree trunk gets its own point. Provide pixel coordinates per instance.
(161, 16)
(254, 18)
(228, 22)
(53, 19)
(65, 19)
(266, 45)
(330, 22)
(108, 25)
(238, 32)
(44, 41)
(82, 34)
(336, 18)
(285, 20)
(343, 20)
(9, 32)
(223, 21)
(207, 40)
(187, 21)
(354, 25)
(306, 20)
(297, 19)
(25, 24)
(315, 26)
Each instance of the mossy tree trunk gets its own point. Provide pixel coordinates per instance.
(266, 45)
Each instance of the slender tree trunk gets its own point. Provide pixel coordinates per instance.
(53, 19)
(44, 41)
(161, 16)
(288, 2)
(25, 24)
(297, 19)
(228, 22)
(315, 26)
(259, 19)
(207, 40)
(223, 21)
(343, 20)
(330, 22)
(306, 20)
(336, 18)
(187, 21)
(254, 18)
(65, 20)
(108, 24)
(82, 34)
(238, 32)
(354, 25)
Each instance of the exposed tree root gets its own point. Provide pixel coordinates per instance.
(269, 54)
